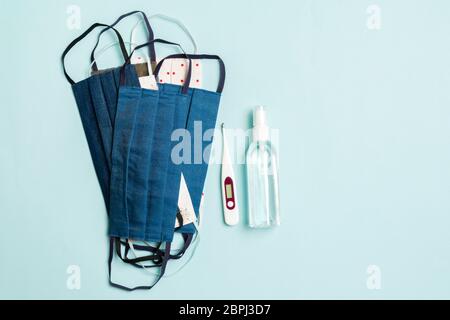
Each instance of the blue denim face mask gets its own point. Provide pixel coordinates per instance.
(103, 91)
(96, 98)
(180, 119)
(202, 110)
(132, 147)
(115, 133)
(158, 219)
(201, 106)
(108, 83)
(144, 123)
(143, 193)
(96, 101)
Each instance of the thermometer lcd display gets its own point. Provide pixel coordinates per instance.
(229, 191)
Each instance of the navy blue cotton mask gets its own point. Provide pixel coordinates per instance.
(132, 147)
(202, 109)
(144, 122)
(199, 106)
(100, 95)
(97, 100)
(129, 135)
(141, 156)
(95, 97)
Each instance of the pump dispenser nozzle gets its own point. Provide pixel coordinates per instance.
(260, 127)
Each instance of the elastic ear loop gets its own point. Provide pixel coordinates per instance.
(222, 69)
(155, 73)
(142, 259)
(169, 19)
(165, 259)
(150, 37)
(81, 37)
(197, 224)
(111, 45)
(195, 244)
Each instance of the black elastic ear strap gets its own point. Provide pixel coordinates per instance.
(119, 286)
(184, 55)
(222, 69)
(187, 81)
(156, 257)
(180, 217)
(84, 35)
(187, 237)
(150, 37)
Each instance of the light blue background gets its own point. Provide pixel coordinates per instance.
(364, 149)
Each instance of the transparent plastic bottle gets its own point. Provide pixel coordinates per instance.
(262, 176)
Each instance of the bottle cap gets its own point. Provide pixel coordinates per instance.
(260, 128)
(259, 116)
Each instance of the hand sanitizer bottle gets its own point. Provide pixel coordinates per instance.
(262, 176)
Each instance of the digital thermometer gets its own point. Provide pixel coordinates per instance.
(229, 197)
